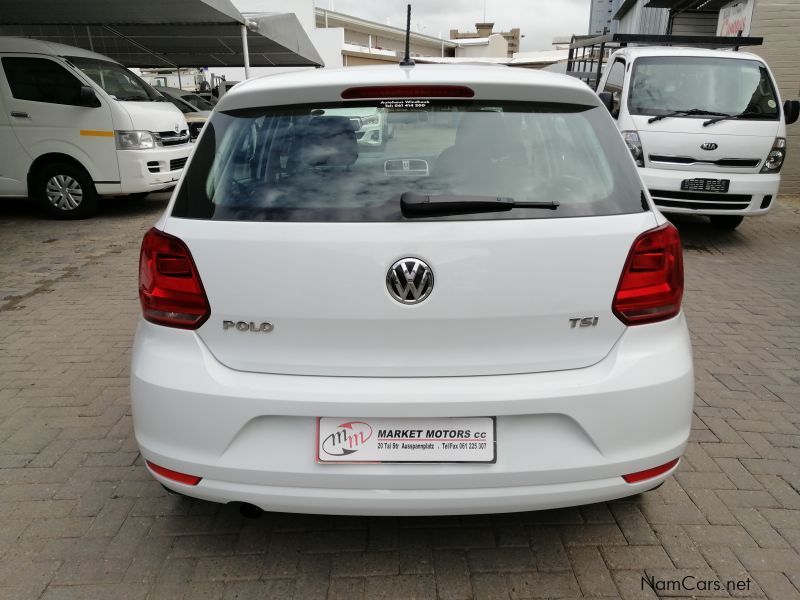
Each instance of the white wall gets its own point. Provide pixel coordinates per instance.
(304, 9)
(328, 42)
(497, 47)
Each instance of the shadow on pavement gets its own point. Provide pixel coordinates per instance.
(698, 234)
(23, 209)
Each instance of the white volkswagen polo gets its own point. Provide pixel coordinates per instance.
(482, 316)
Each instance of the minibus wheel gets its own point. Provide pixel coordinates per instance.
(65, 191)
(730, 222)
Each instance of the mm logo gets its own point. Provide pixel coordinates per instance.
(348, 438)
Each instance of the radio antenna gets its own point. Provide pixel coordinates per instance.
(407, 60)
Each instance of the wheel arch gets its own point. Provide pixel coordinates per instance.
(54, 157)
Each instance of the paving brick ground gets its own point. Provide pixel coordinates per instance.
(80, 518)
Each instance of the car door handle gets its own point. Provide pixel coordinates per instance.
(20, 113)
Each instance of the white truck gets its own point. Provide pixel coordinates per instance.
(706, 128)
(75, 125)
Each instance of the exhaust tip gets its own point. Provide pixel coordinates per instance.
(250, 511)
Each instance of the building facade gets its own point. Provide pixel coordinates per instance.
(600, 17)
(365, 42)
(778, 22)
(634, 16)
(484, 30)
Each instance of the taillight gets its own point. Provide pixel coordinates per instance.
(170, 289)
(183, 478)
(408, 91)
(651, 286)
(649, 473)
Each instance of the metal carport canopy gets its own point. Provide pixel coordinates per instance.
(164, 33)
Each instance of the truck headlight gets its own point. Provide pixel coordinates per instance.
(775, 157)
(635, 146)
(135, 140)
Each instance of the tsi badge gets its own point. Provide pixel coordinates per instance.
(583, 322)
(248, 326)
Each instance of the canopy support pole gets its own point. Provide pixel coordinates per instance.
(245, 52)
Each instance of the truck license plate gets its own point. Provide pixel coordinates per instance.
(705, 185)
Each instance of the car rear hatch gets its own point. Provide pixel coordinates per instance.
(504, 297)
(294, 234)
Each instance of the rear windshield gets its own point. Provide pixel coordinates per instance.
(353, 161)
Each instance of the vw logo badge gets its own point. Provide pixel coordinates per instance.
(409, 280)
(708, 146)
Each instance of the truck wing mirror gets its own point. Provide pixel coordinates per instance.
(608, 100)
(791, 111)
(88, 97)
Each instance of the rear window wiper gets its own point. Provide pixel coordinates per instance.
(741, 115)
(412, 203)
(686, 113)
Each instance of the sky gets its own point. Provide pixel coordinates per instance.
(539, 20)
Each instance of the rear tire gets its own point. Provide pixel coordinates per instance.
(729, 222)
(64, 191)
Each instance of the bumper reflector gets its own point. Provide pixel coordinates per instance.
(650, 473)
(174, 475)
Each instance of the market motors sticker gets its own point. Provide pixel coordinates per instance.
(435, 440)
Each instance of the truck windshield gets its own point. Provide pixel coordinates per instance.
(116, 80)
(356, 162)
(665, 84)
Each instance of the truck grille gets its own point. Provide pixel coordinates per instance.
(700, 201)
(690, 160)
(177, 163)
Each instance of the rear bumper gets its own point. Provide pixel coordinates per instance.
(563, 438)
(151, 170)
(392, 502)
(746, 192)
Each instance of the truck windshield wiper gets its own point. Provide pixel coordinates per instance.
(685, 113)
(421, 204)
(741, 115)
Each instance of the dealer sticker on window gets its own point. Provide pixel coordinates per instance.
(439, 440)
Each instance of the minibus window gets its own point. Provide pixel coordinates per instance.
(116, 80)
(41, 80)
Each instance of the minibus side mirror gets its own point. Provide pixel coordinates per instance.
(791, 111)
(88, 97)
